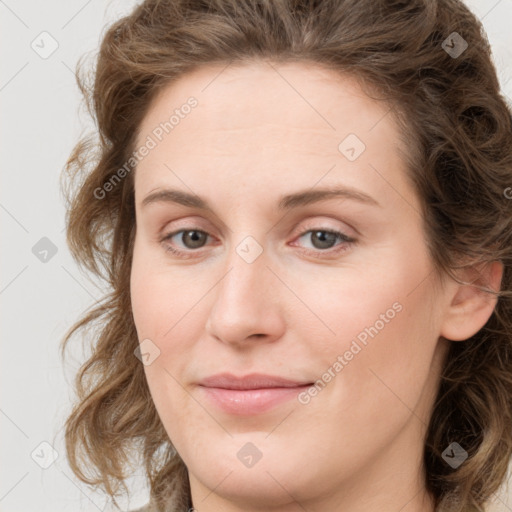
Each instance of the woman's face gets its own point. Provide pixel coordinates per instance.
(275, 276)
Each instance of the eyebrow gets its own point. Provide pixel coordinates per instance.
(286, 202)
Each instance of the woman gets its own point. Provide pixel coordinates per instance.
(301, 209)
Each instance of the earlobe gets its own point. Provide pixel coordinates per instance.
(470, 307)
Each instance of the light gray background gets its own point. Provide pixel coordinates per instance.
(41, 120)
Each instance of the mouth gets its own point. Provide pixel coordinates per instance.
(251, 394)
(252, 381)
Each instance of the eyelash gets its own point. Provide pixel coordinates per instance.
(348, 242)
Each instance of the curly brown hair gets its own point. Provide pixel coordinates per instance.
(459, 132)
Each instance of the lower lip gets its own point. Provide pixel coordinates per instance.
(251, 401)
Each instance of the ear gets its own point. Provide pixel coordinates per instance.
(469, 307)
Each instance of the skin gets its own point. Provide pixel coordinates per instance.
(260, 131)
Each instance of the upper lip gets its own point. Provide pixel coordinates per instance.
(252, 381)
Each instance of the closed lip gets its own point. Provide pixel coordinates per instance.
(251, 381)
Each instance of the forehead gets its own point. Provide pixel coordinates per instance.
(260, 94)
(268, 119)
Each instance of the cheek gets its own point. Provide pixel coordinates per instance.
(375, 301)
(164, 308)
(158, 297)
(374, 341)
(157, 307)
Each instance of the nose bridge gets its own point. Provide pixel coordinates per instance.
(246, 266)
(244, 303)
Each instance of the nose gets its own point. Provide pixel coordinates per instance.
(248, 302)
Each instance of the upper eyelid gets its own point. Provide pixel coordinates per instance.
(189, 226)
(301, 233)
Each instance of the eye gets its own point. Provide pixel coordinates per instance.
(325, 239)
(191, 238)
